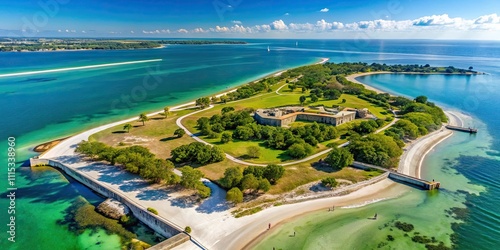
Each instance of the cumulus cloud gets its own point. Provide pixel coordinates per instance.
(434, 23)
(279, 25)
(436, 20)
(324, 10)
(167, 31)
(493, 19)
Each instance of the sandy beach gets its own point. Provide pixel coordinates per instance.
(353, 77)
(218, 229)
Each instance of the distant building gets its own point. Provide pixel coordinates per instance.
(282, 117)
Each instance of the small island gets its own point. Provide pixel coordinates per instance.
(59, 44)
(306, 133)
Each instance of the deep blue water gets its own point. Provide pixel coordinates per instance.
(38, 108)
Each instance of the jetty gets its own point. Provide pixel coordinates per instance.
(399, 177)
(462, 129)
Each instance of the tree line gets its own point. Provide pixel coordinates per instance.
(250, 180)
(139, 160)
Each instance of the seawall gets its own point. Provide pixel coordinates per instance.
(155, 222)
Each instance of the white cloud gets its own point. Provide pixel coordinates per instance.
(287, 14)
(167, 31)
(427, 26)
(132, 32)
(199, 30)
(324, 10)
(278, 25)
(236, 22)
(493, 19)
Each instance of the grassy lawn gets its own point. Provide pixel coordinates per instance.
(157, 135)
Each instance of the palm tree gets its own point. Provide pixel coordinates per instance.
(143, 118)
(166, 111)
(127, 127)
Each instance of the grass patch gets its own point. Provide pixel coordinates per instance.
(239, 213)
(309, 173)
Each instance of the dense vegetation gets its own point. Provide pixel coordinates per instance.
(197, 152)
(250, 180)
(298, 141)
(95, 44)
(134, 159)
(138, 160)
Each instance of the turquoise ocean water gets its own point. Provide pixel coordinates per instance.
(42, 107)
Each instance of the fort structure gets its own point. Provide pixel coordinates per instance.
(283, 117)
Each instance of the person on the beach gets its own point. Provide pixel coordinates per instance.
(269, 226)
(293, 233)
(375, 217)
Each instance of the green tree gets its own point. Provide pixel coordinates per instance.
(253, 152)
(273, 172)
(234, 195)
(421, 99)
(127, 127)
(227, 110)
(143, 118)
(166, 111)
(226, 137)
(339, 158)
(314, 98)
(203, 102)
(249, 182)
(224, 99)
(264, 185)
(376, 149)
(329, 182)
(203, 191)
(179, 132)
(190, 177)
(256, 171)
(302, 99)
(232, 177)
(299, 150)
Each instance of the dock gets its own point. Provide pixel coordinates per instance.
(462, 129)
(399, 177)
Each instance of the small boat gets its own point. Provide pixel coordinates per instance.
(268, 49)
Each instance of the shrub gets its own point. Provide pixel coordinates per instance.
(187, 229)
(152, 210)
(179, 132)
(203, 191)
(226, 137)
(253, 152)
(339, 158)
(329, 182)
(234, 195)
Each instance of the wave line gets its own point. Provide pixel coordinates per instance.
(77, 68)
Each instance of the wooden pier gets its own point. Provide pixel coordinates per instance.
(406, 179)
(462, 129)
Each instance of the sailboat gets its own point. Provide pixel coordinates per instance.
(268, 49)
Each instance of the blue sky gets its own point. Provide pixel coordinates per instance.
(434, 19)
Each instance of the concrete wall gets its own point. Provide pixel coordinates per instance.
(427, 185)
(288, 119)
(155, 222)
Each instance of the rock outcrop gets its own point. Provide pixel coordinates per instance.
(113, 209)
